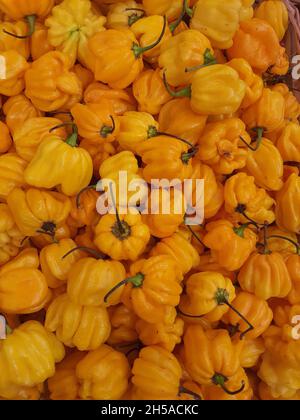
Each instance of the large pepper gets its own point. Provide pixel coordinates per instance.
(53, 264)
(163, 335)
(187, 124)
(219, 361)
(147, 30)
(90, 280)
(244, 199)
(84, 327)
(149, 375)
(96, 122)
(214, 90)
(37, 211)
(12, 169)
(288, 205)
(17, 110)
(186, 50)
(32, 132)
(103, 374)
(207, 294)
(60, 163)
(50, 84)
(122, 237)
(35, 352)
(230, 245)
(178, 247)
(154, 288)
(218, 20)
(149, 91)
(220, 145)
(10, 236)
(23, 288)
(268, 176)
(15, 66)
(276, 14)
(71, 24)
(257, 42)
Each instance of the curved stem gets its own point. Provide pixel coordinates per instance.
(138, 51)
(241, 209)
(297, 246)
(189, 11)
(91, 251)
(174, 25)
(153, 132)
(209, 60)
(136, 280)
(65, 124)
(119, 222)
(183, 390)
(89, 187)
(106, 130)
(183, 93)
(250, 326)
(59, 113)
(219, 379)
(195, 236)
(30, 20)
(259, 132)
(188, 315)
(134, 17)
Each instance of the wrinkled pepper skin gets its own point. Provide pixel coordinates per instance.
(276, 14)
(28, 355)
(16, 67)
(90, 280)
(10, 236)
(12, 169)
(288, 143)
(288, 205)
(83, 327)
(50, 84)
(149, 375)
(37, 211)
(103, 374)
(23, 288)
(123, 322)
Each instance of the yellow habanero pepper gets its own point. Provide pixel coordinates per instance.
(64, 384)
(90, 280)
(244, 199)
(15, 65)
(8, 42)
(230, 246)
(187, 124)
(207, 293)
(37, 211)
(50, 84)
(163, 335)
(39, 43)
(183, 51)
(246, 11)
(118, 56)
(254, 82)
(10, 236)
(288, 143)
(266, 165)
(276, 14)
(122, 237)
(292, 106)
(220, 145)
(149, 91)
(288, 205)
(12, 169)
(147, 30)
(53, 264)
(215, 89)
(103, 374)
(84, 327)
(29, 10)
(71, 24)
(60, 163)
(35, 352)
(32, 132)
(23, 288)
(217, 20)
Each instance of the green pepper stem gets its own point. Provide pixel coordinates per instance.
(136, 281)
(219, 379)
(297, 246)
(30, 20)
(134, 17)
(122, 229)
(183, 93)
(174, 25)
(184, 390)
(138, 51)
(188, 10)
(153, 132)
(106, 130)
(91, 251)
(209, 60)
